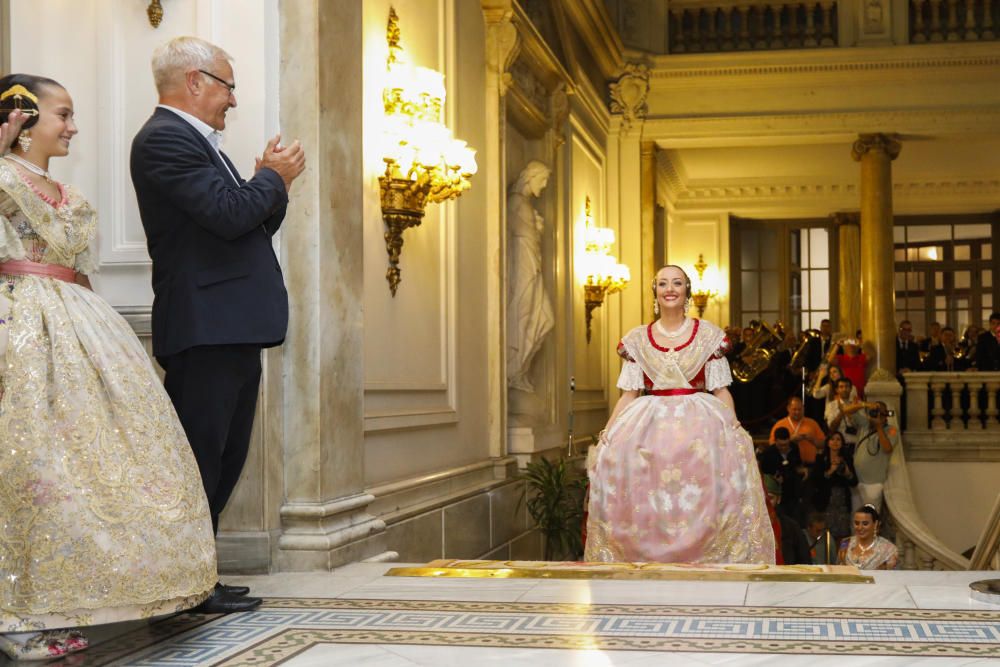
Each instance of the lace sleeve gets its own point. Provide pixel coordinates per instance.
(11, 246)
(717, 373)
(630, 378)
(86, 262)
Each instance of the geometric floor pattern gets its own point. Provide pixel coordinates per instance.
(358, 617)
(285, 628)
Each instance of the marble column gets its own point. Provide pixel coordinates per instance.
(647, 196)
(849, 246)
(324, 518)
(876, 152)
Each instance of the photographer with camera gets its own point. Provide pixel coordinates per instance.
(876, 440)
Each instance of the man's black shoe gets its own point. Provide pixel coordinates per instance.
(234, 590)
(222, 602)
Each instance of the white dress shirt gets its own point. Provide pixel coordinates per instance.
(214, 136)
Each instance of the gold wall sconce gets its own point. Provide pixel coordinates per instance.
(155, 13)
(604, 274)
(703, 290)
(424, 163)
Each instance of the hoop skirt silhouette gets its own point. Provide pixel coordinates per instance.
(102, 509)
(676, 480)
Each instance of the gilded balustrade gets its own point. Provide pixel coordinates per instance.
(953, 20)
(699, 27)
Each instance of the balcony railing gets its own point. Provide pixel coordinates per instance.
(953, 20)
(954, 402)
(751, 26)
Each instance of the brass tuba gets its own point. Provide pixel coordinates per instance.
(806, 339)
(756, 357)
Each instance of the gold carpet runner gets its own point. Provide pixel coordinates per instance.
(530, 569)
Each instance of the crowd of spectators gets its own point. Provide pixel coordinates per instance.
(826, 458)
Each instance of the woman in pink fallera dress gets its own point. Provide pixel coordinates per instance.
(673, 478)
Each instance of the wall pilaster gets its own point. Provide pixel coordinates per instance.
(325, 519)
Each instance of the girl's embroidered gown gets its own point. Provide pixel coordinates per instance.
(676, 480)
(102, 512)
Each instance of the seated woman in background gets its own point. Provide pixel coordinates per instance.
(866, 550)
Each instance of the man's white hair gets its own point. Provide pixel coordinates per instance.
(171, 61)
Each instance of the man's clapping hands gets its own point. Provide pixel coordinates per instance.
(287, 161)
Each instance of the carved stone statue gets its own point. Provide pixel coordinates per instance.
(529, 311)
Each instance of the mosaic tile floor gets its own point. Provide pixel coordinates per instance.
(356, 616)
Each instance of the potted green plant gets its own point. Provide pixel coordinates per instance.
(555, 496)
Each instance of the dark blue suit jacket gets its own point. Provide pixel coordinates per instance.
(216, 280)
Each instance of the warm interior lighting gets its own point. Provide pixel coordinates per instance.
(424, 163)
(604, 274)
(706, 286)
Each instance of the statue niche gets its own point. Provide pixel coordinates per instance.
(529, 310)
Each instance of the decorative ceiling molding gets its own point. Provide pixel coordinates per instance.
(818, 199)
(731, 189)
(668, 182)
(831, 60)
(795, 129)
(534, 49)
(598, 32)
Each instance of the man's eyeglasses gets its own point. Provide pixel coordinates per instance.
(230, 86)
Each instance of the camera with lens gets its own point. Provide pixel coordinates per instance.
(874, 412)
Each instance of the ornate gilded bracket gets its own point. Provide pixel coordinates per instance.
(593, 297)
(402, 208)
(155, 13)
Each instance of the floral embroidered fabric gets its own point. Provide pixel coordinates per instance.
(881, 554)
(675, 479)
(103, 512)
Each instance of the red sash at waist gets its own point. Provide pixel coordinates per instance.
(24, 267)
(673, 392)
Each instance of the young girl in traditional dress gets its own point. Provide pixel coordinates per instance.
(102, 509)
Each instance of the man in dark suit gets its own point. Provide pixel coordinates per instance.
(907, 359)
(988, 346)
(219, 297)
(907, 354)
(783, 461)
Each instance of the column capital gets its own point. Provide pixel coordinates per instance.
(885, 143)
(846, 218)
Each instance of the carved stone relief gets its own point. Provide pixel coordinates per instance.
(629, 93)
(525, 79)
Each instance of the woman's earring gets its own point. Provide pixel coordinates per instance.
(24, 140)
(656, 307)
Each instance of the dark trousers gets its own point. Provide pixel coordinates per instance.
(214, 390)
